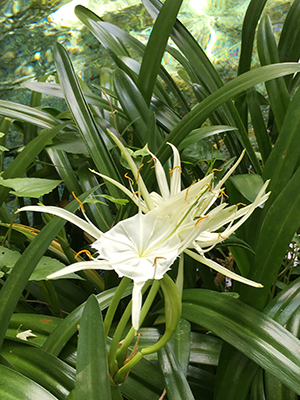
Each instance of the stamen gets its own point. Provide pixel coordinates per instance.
(222, 194)
(220, 236)
(216, 169)
(152, 159)
(128, 177)
(241, 204)
(138, 173)
(171, 170)
(199, 219)
(187, 190)
(80, 203)
(209, 187)
(156, 258)
(88, 253)
(135, 193)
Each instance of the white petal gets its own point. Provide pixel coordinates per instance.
(161, 179)
(79, 266)
(176, 172)
(136, 304)
(61, 212)
(217, 267)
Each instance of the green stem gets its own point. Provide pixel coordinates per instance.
(114, 304)
(122, 373)
(121, 352)
(116, 393)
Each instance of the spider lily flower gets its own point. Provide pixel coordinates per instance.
(146, 245)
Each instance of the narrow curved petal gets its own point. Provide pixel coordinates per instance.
(81, 266)
(161, 178)
(136, 304)
(61, 212)
(217, 267)
(176, 172)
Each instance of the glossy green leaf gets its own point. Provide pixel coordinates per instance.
(181, 344)
(268, 54)
(259, 337)
(201, 133)
(19, 166)
(231, 89)
(205, 349)
(46, 370)
(156, 47)
(176, 384)
(15, 386)
(83, 117)
(30, 187)
(92, 378)
(68, 327)
(248, 185)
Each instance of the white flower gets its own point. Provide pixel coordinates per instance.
(145, 246)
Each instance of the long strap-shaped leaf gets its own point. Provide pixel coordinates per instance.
(156, 47)
(16, 386)
(92, 378)
(213, 101)
(259, 337)
(83, 117)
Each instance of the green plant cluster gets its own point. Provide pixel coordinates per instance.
(231, 342)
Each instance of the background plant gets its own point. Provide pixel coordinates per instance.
(257, 331)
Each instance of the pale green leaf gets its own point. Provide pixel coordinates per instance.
(29, 187)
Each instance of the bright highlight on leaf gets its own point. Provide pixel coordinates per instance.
(167, 224)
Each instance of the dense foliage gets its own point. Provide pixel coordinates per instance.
(230, 341)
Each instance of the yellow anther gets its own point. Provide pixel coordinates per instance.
(152, 159)
(222, 194)
(241, 204)
(187, 190)
(209, 187)
(220, 236)
(171, 170)
(138, 173)
(135, 193)
(88, 253)
(200, 219)
(80, 203)
(128, 177)
(216, 169)
(156, 258)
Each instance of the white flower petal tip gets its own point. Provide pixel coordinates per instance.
(25, 335)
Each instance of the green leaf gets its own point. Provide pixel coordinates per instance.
(213, 101)
(44, 369)
(268, 54)
(176, 383)
(156, 47)
(30, 187)
(181, 344)
(83, 117)
(92, 378)
(248, 185)
(15, 386)
(68, 327)
(259, 337)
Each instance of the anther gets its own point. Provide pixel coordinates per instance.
(200, 219)
(241, 204)
(80, 203)
(171, 170)
(187, 190)
(128, 177)
(156, 258)
(88, 253)
(138, 173)
(222, 194)
(220, 236)
(216, 169)
(152, 159)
